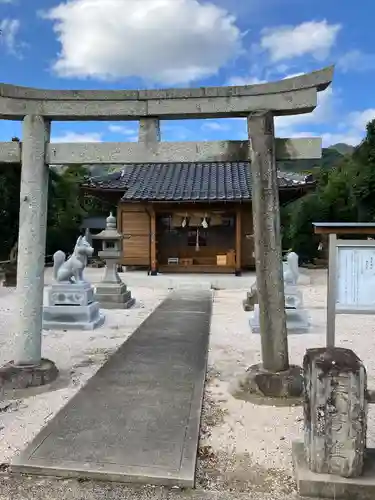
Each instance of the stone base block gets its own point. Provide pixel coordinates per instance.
(108, 304)
(70, 294)
(111, 289)
(260, 383)
(80, 325)
(297, 321)
(14, 377)
(72, 317)
(114, 296)
(313, 485)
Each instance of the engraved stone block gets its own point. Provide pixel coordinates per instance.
(71, 306)
(335, 411)
(80, 294)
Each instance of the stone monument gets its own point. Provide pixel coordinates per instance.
(70, 301)
(335, 425)
(297, 320)
(112, 293)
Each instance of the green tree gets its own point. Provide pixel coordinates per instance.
(363, 176)
(66, 208)
(299, 234)
(10, 179)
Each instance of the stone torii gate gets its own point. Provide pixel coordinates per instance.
(258, 103)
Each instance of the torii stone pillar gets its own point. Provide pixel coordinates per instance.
(149, 131)
(149, 136)
(267, 242)
(274, 377)
(28, 368)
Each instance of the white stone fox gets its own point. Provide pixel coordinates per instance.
(291, 271)
(71, 270)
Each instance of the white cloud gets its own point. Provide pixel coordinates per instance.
(215, 126)
(161, 41)
(294, 75)
(359, 119)
(244, 80)
(356, 60)
(324, 112)
(352, 129)
(9, 29)
(353, 138)
(77, 137)
(122, 129)
(315, 38)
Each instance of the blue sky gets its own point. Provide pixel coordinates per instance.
(167, 43)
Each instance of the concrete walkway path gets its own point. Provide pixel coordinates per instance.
(137, 420)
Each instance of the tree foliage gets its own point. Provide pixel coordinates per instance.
(344, 193)
(66, 207)
(10, 179)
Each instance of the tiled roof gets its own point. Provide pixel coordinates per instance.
(213, 181)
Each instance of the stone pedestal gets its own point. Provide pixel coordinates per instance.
(114, 296)
(297, 319)
(14, 377)
(333, 461)
(257, 383)
(335, 411)
(71, 306)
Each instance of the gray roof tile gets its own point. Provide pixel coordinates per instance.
(213, 181)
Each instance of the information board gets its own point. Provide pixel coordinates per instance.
(355, 284)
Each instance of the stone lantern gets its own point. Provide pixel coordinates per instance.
(111, 292)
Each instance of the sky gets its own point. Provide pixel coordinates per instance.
(132, 44)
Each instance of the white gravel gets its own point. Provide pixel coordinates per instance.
(251, 443)
(262, 433)
(78, 356)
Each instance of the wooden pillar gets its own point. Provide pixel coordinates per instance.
(267, 242)
(154, 264)
(238, 241)
(120, 230)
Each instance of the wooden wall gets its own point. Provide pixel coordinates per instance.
(247, 239)
(134, 223)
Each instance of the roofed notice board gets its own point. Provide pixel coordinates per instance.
(355, 284)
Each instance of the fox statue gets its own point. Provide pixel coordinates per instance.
(71, 270)
(291, 271)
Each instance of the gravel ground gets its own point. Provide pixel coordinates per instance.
(78, 356)
(245, 450)
(247, 447)
(26, 488)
